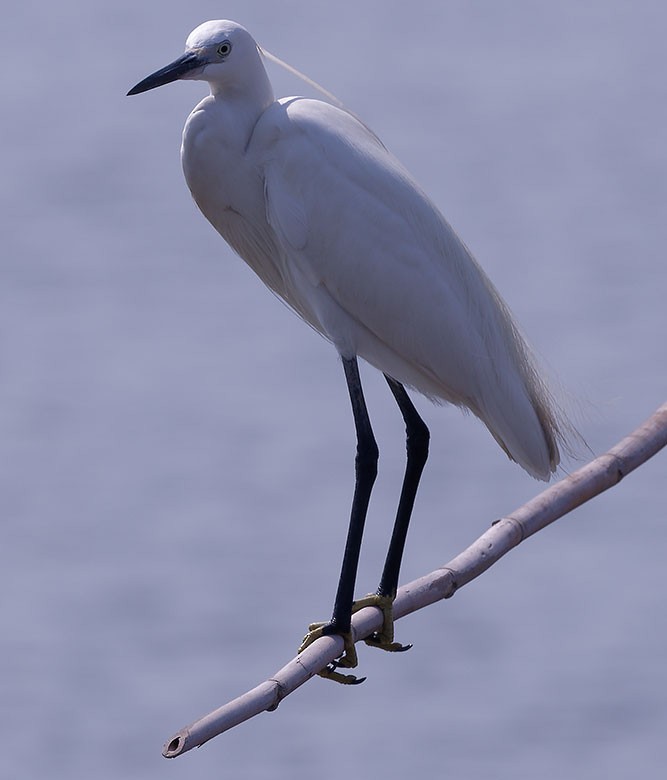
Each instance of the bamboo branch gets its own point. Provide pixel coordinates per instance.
(554, 502)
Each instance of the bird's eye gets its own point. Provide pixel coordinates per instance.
(224, 48)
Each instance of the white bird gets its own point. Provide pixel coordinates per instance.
(334, 225)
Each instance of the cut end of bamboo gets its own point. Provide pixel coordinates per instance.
(174, 747)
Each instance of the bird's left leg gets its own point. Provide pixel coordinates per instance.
(365, 473)
(417, 440)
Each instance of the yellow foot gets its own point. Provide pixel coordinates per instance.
(383, 639)
(347, 661)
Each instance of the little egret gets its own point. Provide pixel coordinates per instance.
(333, 224)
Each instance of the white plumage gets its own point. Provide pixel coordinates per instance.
(334, 225)
(331, 222)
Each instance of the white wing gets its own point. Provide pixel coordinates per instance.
(370, 262)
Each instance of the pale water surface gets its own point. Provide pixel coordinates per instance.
(176, 448)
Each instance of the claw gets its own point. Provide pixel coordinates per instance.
(383, 639)
(348, 660)
(375, 640)
(329, 673)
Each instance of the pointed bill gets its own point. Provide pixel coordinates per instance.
(178, 69)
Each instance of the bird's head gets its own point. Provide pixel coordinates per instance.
(220, 52)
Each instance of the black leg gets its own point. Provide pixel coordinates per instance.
(365, 473)
(417, 439)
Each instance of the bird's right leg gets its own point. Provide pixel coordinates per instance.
(417, 440)
(365, 473)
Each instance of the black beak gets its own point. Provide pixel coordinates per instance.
(175, 70)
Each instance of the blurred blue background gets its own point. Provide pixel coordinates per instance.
(176, 448)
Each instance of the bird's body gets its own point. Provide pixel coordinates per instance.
(335, 226)
(332, 223)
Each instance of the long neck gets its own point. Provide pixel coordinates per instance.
(244, 100)
(215, 141)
